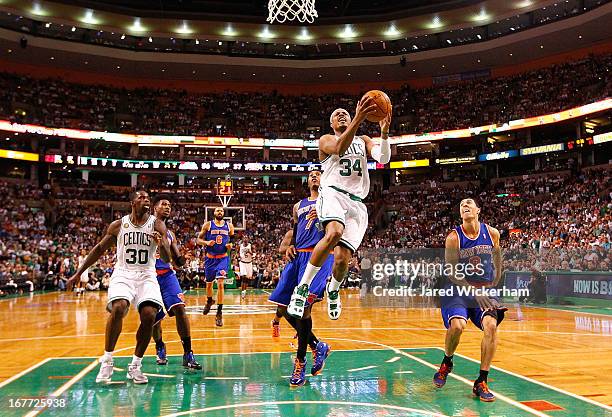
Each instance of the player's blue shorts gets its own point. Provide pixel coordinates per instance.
(292, 274)
(216, 268)
(467, 308)
(171, 292)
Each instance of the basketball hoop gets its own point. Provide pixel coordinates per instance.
(290, 10)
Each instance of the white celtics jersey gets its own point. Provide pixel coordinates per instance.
(349, 171)
(245, 253)
(136, 246)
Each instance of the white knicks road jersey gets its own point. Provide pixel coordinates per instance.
(245, 253)
(135, 246)
(348, 171)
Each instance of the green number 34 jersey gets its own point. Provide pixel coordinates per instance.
(348, 171)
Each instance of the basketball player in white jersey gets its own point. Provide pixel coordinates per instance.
(134, 280)
(245, 265)
(84, 276)
(344, 184)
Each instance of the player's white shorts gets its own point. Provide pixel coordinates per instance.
(246, 269)
(85, 277)
(335, 205)
(135, 287)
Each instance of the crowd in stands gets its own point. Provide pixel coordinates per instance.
(59, 103)
(198, 194)
(482, 102)
(559, 221)
(555, 221)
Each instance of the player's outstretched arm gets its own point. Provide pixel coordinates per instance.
(109, 239)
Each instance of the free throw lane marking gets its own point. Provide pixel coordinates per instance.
(347, 403)
(24, 372)
(362, 369)
(543, 384)
(66, 386)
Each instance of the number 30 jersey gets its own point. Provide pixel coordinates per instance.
(349, 171)
(135, 246)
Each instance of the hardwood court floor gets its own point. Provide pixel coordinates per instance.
(550, 362)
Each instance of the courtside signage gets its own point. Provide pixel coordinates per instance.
(498, 155)
(542, 149)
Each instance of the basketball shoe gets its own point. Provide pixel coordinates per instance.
(298, 377)
(319, 355)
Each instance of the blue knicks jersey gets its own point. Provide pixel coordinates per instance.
(160, 265)
(308, 234)
(477, 251)
(220, 234)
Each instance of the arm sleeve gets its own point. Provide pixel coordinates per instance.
(382, 152)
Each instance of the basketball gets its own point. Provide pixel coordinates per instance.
(382, 101)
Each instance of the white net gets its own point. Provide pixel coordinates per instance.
(288, 10)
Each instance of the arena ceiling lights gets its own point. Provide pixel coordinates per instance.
(482, 16)
(137, 26)
(392, 31)
(362, 28)
(184, 29)
(304, 35)
(229, 31)
(436, 23)
(348, 32)
(266, 33)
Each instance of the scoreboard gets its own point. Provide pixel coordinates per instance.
(225, 187)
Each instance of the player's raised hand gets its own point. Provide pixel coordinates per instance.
(365, 107)
(290, 253)
(385, 124)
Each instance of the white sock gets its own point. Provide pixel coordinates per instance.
(136, 360)
(107, 357)
(309, 274)
(333, 284)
